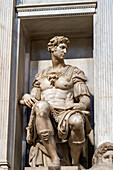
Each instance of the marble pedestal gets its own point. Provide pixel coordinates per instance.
(62, 168)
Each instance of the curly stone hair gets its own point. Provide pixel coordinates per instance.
(103, 148)
(54, 42)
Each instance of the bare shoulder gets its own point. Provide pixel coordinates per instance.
(77, 73)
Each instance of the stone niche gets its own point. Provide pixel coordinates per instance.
(37, 24)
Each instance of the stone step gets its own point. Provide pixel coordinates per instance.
(46, 168)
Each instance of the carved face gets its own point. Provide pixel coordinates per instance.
(60, 51)
(108, 157)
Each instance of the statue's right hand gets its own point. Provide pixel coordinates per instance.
(28, 100)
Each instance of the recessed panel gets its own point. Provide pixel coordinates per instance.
(79, 48)
(50, 26)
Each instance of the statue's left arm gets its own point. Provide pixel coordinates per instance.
(81, 91)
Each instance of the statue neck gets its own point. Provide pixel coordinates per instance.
(57, 63)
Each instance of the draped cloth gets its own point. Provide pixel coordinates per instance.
(39, 155)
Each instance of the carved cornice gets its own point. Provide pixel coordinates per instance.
(54, 10)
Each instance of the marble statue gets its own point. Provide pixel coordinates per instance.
(103, 157)
(59, 103)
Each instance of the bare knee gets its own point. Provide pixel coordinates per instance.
(42, 109)
(76, 122)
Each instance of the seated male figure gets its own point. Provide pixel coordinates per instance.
(60, 96)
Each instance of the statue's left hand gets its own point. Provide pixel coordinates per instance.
(79, 106)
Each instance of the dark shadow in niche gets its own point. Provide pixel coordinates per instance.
(92, 110)
(90, 146)
(24, 144)
(28, 146)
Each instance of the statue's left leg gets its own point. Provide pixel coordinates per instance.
(77, 137)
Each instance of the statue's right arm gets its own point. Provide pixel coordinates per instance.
(30, 99)
(36, 93)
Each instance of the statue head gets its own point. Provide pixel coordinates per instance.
(56, 41)
(103, 154)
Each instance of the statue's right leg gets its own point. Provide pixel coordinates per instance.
(45, 130)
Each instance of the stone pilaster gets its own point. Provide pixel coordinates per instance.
(6, 32)
(103, 72)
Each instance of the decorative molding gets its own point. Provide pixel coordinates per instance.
(56, 10)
